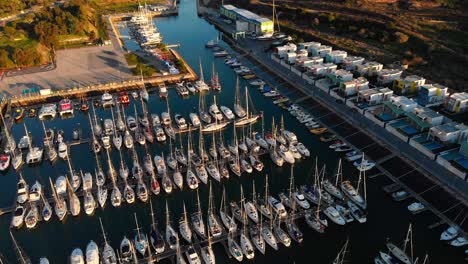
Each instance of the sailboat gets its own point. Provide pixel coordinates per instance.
(10, 145)
(116, 138)
(214, 227)
(250, 208)
(32, 216)
(257, 238)
(267, 233)
(170, 159)
(276, 157)
(245, 243)
(123, 170)
(332, 188)
(353, 194)
(128, 139)
(281, 234)
(200, 85)
(192, 181)
(129, 193)
(271, 137)
(34, 154)
(59, 203)
(213, 170)
(234, 248)
(399, 253)
(156, 239)
(207, 253)
(75, 207)
(184, 228)
(95, 145)
(89, 202)
(51, 153)
(46, 209)
(171, 235)
(197, 220)
(215, 85)
(227, 220)
(22, 257)
(141, 242)
(119, 123)
(261, 204)
(74, 177)
(248, 118)
(340, 257)
(97, 129)
(108, 253)
(142, 191)
(127, 251)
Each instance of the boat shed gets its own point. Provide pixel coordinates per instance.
(256, 24)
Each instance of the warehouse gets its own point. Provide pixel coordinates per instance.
(246, 20)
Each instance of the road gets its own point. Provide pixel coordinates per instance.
(422, 163)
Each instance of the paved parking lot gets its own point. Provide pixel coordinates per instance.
(75, 67)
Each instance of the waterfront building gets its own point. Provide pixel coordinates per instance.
(339, 76)
(309, 45)
(351, 87)
(322, 69)
(432, 94)
(391, 110)
(321, 50)
(350, 63)
(457, 103)
(408, 85)
(456, 160)
(387, 76)
(255, 23)
(336, 56)
(303, 63)
(374, 96)
(441, 138)
(283, 50)
(369, 68)
(420, 120)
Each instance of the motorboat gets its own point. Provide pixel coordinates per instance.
(348, 189)
(190, 87)
(35, 192)
(163, 92)
(277, 207)
(300, 200)
(18, 217)
(459, 242)
(334, 215)
(77, 256)
(48, 111)
(261, 141)
(450, 233)
(296, 154)
(364, 165)
(92, 253)
(24, 142)
(416, 207)
(227, 112)
(294, 231)
(286, 154)
(132, 123)
(63, 150)
(4, 162)
(107, 100)
(65, 107)
(126, 250)
(276, 158)
(180, 122)
(215, 113)
(195, 120)
(22, 191)
(344, 212)
(192, 256)
(357, 213)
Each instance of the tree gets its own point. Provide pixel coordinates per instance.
(92, 35)
(4, 59)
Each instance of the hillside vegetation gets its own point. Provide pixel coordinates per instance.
(429, 36)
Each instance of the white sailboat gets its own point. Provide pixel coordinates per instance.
(248, 117)
(234, 248)
(116, 137)
(172, 237)
(46, 209)
(250, 208)
(75, 207)
(197, 220)
(51, 153)
(108, 253)
(92, 253)
(140, 241)
(184, 228)
(353, 194)
(262, 204)
(227, 220)
(399, 253)
(214, 227)
(156, 239)
(60, 205)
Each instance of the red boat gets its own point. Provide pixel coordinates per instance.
(124, 99)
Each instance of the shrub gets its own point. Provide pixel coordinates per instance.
(401, 37)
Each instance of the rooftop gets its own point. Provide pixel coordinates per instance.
(460, 96)
(448, 128)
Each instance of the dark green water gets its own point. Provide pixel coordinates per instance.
(56, 240)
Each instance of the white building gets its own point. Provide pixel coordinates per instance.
(432, 94)
(458, 103)
(321, 51)
(370, 96)
(369, 68)
(308, 45)
(353, 86)
(429, 116)
(387, 76)
(304, 62)
(449, 133)
(350, 62)
(291, 57)
(403, 103)
(340, 76)
(321, 69)
(336, 56)
(283, 50)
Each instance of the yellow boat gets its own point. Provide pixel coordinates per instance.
(249, 76)
(318, 130)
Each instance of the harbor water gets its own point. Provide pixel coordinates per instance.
(55, 240)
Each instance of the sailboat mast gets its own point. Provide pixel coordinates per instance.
(136, 222)
(254, 195)
(247, 103)
(102, 229)
(152, 214)
(185, 212)
(339, 173)
(198, 202)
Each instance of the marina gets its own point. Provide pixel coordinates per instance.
(268, 130)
